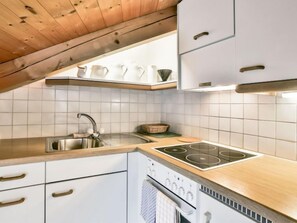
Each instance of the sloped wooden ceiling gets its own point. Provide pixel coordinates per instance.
(41, 36)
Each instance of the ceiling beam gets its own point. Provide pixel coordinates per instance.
(38, 65)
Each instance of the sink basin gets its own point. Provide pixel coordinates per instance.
(62, 144)
(116, 139)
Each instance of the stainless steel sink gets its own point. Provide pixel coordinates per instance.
(68, 143)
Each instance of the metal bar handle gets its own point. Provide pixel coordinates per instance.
(63, 193)
(18, 177)
(184, 212)
(257, 67)
(5, 204)
(200, 35)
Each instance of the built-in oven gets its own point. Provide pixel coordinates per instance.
(180, 189)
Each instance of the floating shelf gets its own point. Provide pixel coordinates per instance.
(91, 82)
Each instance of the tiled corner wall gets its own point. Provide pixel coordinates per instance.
(262, 123)
(39, 110)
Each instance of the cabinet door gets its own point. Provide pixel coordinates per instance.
(216, 17)
(137, 170)
(214, 64)
(25, 205)
(219, 212)
(266, 35)
(92, 200)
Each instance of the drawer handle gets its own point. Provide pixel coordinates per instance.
(205, 84)
(5, 204)
(200, 35)
(62, 194)
(3, 179)
(257, 67)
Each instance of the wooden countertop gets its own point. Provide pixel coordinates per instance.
(269, 181)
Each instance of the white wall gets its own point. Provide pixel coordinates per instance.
(160, 52)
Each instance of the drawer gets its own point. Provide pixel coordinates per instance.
(21, 175)
(25, 205)
(82, 167)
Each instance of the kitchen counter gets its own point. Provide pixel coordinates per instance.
(265, 180)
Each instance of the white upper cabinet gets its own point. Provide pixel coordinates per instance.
(202, 22)
(266, 36)
(209, 66)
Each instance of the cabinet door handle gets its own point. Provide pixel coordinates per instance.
(257, 67)
(3, 179)
(200, 35)
(62, 194)
(207, 217)
(205, 84)
(5, 204)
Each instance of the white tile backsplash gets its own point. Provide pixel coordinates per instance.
(261, 123)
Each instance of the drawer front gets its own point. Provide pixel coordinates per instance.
(25, 205)
(82, 167)
(21, 175)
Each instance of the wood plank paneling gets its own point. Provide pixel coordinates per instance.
(148, 7)
(131, 9)
(65, 14)
(13, 45)
(18, 28)
(35, 15)
(111, 11)
(6, 55)
(163, 4)
(90, 14)
(87, 47)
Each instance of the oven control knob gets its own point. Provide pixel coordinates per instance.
(167, 182)
(174, 186)
(153, 172)
(149, 171)
(181, 191)
(190, 196)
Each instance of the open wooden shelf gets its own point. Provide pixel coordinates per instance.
(91, 82)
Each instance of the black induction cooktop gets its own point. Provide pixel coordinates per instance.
(205, 155)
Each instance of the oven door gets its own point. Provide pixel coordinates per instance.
(188, 213)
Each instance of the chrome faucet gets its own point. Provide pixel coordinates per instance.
(95, 133)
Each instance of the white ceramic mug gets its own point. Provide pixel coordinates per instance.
(81, 72)
(98, 71)
(116, 72)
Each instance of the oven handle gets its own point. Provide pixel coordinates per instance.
(183, 212)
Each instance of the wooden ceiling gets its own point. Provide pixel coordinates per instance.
(38, 37)
(27, 26)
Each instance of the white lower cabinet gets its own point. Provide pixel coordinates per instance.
(25, 205)
(99, 199)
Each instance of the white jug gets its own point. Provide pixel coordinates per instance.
(134, 73)
(99, 71)
(152, 76)
(116, 72)
(81, 72)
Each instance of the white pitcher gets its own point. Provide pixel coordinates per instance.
(152, 76)
(134, 72)
(81, 71)
(116, 72)
(98, 71)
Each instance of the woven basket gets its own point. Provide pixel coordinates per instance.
(155, 128)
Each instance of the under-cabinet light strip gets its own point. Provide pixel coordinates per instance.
(236, 206)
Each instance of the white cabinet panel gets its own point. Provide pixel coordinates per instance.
(82, 167)
(266, 35)
(137, 170)
(93, 200)
(21, 175)
(215, 64)
(28, 205)
(218, 212)
(198, 16)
